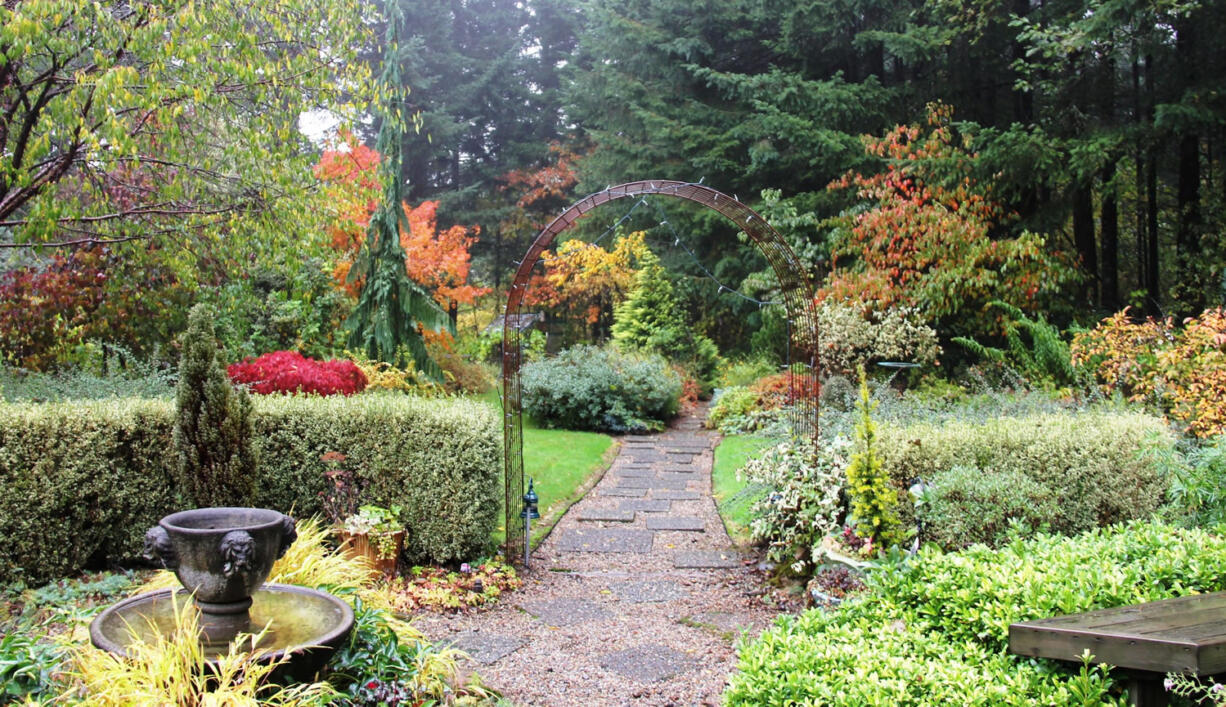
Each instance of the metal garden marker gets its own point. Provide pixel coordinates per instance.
(528, 513)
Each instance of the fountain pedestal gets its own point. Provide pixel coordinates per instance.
(222, 556)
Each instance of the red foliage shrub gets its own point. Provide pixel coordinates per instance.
(781, 389)
(291, 372)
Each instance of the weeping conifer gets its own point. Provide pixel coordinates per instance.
(392, 309)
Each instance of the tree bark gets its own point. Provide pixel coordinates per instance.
(1083, 239)
(1109, 240)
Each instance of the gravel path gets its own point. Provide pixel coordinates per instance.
(637, 597)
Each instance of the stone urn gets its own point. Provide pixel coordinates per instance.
(222, 556)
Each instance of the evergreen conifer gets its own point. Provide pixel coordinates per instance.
(216, 464)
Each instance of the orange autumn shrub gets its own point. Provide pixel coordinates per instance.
(1183, 371)
(782, 389)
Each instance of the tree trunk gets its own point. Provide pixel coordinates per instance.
(1083, 239)
(1109, 240)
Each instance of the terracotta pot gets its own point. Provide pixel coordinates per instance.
(366, 545)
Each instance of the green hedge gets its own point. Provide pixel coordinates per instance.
(81, 482)
(1091, 462)
(933, 629)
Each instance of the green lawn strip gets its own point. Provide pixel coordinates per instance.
(564, 465)
(732, 497)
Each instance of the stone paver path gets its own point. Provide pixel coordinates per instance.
(635, 598)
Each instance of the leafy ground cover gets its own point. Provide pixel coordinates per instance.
(934, 627)
(734, 496)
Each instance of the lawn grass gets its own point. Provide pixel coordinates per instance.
(731, 496)
(563, 464)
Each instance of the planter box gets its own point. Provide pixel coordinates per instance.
(367, 546)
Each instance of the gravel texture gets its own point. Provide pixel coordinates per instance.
(619, 621)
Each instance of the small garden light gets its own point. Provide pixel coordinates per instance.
(528, 513)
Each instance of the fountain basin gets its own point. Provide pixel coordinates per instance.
(306, 624)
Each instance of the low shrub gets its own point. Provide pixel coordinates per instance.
(784, 389)
(1091, 461)
(733, 402)
(933, 629)
(81, 482)
(734, 373)
(967, 505)
(849, 336)
(1183, 370)
(801, 502)
(291, 372)
(590, 388)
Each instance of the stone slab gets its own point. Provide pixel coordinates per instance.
(680, 458)
(566, 612)
(679, 448)
(672, 495)
(634, 473)
(672, 476)
(622, 491)
(646, 458)
(646, 505)
(642, 482)
(646, 663)
(677, 468)
(642, 592)
(611, 515)
(605, 540)
(705, 559)
(722, 621)
(688, 523)
(486, 648)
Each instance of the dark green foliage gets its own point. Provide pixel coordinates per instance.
(1197, 495)
(933, 629)
(650, 319)
(212, 437)
(1033, 347)
(589, 388)
(1091, 460)
(27, 665)
(81, 482)
(280, 307)
(967, 505)
(391, 307)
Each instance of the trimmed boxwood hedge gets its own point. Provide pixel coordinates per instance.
(81, 482)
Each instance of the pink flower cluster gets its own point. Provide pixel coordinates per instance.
(291, 372)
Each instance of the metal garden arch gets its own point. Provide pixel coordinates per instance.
(796, 290)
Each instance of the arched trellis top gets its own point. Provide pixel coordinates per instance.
(796, 290)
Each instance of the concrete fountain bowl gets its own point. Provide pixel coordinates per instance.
(222, 556)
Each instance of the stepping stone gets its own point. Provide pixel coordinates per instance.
(677, 468)
(566, 612)
(486, 648)
(646, 663)
(680, 458)
(721, 621)
(605, 540)
(676, 523)
(705, 559)
(686, 448)
(673, 476)
(634, 473)
(646, 506)
(648, 458)
(623, 491)
(672, 495)
(612, 515)
(640, 439)
(651, 483)
(641, 592)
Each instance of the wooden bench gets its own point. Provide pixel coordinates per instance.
(1184, 635)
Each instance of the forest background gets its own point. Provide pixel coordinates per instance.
(1063, 156)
